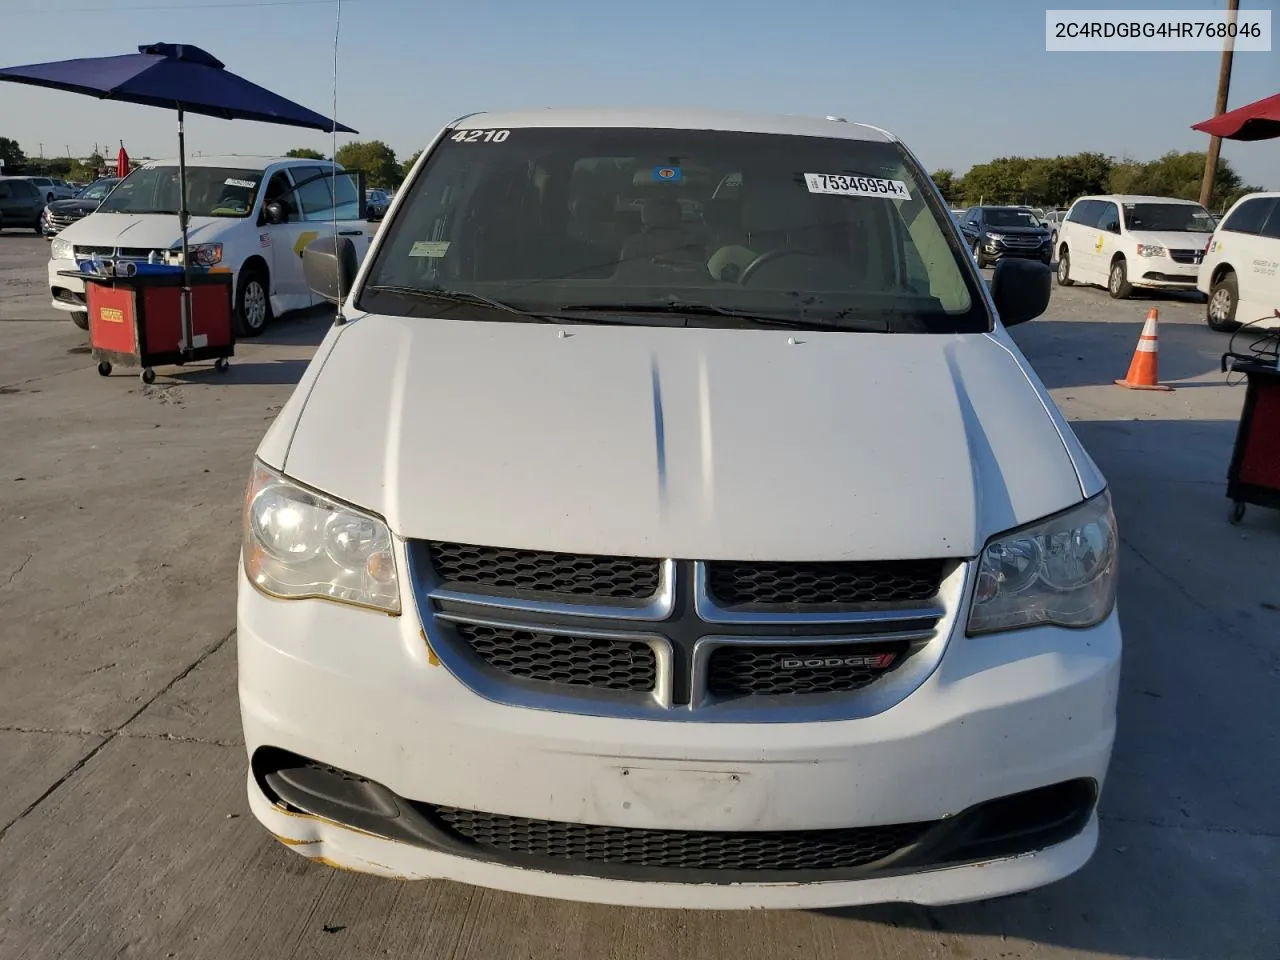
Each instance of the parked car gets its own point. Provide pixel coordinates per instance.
(51, 189)
(628, 560)
(1052, 221)
(376, 203)
(1240, 275)
(994, 233)
(20, 203)
(1127, 242)
(60, 214)
(250, 216)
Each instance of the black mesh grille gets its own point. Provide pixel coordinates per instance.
(760, 670)
(608, 664)
(578, 576)
(1185, 256)
(822, 584)
(679, 849)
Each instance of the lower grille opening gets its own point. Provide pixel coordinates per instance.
(769, 669)
(681, 849)
(603, 663)
(1005, 827)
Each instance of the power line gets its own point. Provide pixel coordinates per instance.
(172, 8)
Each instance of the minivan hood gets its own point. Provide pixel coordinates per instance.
(157, 231)
(1172, 239)
(690, 443)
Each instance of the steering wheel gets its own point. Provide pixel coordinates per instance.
(769, 256)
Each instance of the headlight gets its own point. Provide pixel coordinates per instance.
(299, 543)
(996, 236)
(205, 254)
(1059, 571)
(61, 249)
(1150, 250)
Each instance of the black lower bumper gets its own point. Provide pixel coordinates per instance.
(1004, 827)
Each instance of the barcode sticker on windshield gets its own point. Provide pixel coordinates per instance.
(850, 186)
(247, 184)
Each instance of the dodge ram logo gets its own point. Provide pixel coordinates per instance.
(872, 661)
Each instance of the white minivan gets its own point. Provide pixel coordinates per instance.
(250, 216)
(1240, 275)
(635, 539)
(1127, 242)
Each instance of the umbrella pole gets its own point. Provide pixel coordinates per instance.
(183, 217)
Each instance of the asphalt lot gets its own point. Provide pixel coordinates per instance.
(124, 830)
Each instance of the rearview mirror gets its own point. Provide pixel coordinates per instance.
(1021, 290)
(329, 264)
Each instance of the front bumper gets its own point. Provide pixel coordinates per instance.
(363, 692)
(1165, 275)
(1000, 251)
(67, 293)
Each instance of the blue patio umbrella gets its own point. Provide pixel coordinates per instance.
(181, 77)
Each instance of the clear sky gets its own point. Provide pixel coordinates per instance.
(961, 81)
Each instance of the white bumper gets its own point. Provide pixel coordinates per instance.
(360, 691)
(1175, 276)
(71, 284)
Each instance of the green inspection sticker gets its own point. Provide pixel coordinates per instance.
(429, 248)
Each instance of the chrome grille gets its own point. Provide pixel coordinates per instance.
(797, 668)
(605, 663)
(776, 850)
(1186, 256)
(684, 639)
(538, 572)
(809, 584)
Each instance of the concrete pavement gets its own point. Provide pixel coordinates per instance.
(124, 830)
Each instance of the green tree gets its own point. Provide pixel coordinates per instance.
(408, 164)
(945, 180)
(87, 169)
(1178, 175)
(374, 158)
(12, 155)
(305, 153)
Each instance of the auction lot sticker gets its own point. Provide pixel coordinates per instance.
(852, 186)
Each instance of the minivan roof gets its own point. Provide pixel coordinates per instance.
(1134, 198)
(243, 160)
(678, 119)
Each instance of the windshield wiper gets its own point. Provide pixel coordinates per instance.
(696, 308)
(464, 296)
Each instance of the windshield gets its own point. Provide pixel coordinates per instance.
(1011, 217)
(1171, 217)
(805, 230)
(211, 192)
(96, 191)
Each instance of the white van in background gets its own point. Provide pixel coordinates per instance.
(1241, 270)
(1124, 242)
(250, 216)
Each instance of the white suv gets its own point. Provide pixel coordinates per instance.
(1123, 242)
(642, 541)
(250, 216)
(1241, 270)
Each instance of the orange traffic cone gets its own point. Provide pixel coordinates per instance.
(1144, 369)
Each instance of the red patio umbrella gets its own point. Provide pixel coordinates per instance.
(122, 162)
(1254, 121)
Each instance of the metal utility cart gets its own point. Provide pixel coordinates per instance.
(137, 320)
(1254, 474)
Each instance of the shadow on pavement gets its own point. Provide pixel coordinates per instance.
(242, 373)
(305, 328)
(1066, 353)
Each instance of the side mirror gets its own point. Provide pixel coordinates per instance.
(276, 213)
(329, 264)
(1021, 290)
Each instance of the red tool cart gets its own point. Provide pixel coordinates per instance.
(137, 320)
(1254, 474)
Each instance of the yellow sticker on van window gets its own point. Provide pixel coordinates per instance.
(429, 248)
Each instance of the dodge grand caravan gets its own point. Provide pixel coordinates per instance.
(250, 217)
(669, 519)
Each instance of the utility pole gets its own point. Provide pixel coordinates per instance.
(42, 151)
(1224, 87)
